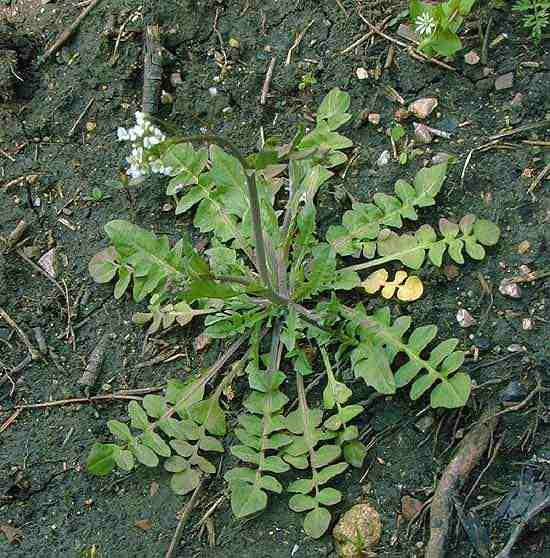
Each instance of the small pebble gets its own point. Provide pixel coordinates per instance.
(505, 81)
(483, 344)
(422, 133)
(374, 118)
(362, 73)
(464, 318)
(384, 158)
(424, 423)
(515, 348)
(509, 289)
(422, 108)
(471, 58)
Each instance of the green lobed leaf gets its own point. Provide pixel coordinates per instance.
(317, 522)
(246, 499)
(185, 482)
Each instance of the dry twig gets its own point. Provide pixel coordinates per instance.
(471, 449)
(35, 355)
(267, 81)
(297, 42)
(186, 512)
(67, 33)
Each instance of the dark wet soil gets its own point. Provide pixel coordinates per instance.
(44, 490)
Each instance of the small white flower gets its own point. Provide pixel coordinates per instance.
(122, 134)
(140, 118)
(156, 166)
(425, 24)
(213, 91)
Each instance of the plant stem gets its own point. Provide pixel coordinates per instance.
(254, 201)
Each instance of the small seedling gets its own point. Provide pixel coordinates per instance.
(307, 82)
(97, 196)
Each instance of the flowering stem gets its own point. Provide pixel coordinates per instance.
(257, 231)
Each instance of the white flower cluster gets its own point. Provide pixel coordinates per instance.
(425, 24)
(143, 136)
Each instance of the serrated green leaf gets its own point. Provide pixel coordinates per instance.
(246, 454)
(355, 453)
(240, 474)
(124, 278)
(267, 482)
(421, 384)
(421, 337)
(209, 414)
(428, 182)
(452, 393)
(183, 448)
(297, 461)
(209, 443)
(203, 464)
(486, 232)
(275, 464)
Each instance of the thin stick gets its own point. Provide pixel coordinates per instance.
(10, 421)
(35, 355)
(183, 520)
(297, 42)
(7, 155)
(341, 6)
(505, 552)
(485, 469)
(81, 116)
(114, 56)
(67, 33)
(366, 37)
(414, 53)
(267, 81)
(521, 129)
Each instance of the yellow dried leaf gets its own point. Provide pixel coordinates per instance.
(412, 289)
(388, 290)
(400, 276)
(375, 280)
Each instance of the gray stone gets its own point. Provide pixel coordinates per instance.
(505, 81)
